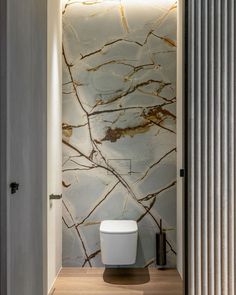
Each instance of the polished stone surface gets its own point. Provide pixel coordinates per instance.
(119, 124)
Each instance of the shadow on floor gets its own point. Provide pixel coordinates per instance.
(126, 276)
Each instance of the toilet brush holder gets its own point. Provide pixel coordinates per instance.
(161, 247)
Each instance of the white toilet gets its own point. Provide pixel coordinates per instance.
(118, 242)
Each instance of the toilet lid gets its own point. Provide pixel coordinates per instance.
(118, 226)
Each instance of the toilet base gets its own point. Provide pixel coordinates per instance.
(118, 249)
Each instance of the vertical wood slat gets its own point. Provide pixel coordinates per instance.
(217, 159)
(191, 215)
(233, 220)
(232, 154)
(224, 154)
(204, 144)
(212, 144)
(210, 80)
(231, 114)
(198, 139)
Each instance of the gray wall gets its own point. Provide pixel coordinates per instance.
(119, 124)
(3, 137)
(211, 140)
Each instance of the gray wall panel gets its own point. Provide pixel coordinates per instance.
(26, 145)
(211, 163)
(3, 204)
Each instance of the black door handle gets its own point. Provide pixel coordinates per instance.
(14, 187)
(55, 197)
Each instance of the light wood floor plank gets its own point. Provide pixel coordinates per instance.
(78, 281)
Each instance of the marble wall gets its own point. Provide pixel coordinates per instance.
(119, 124)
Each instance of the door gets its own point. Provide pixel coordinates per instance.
(26, 145)
(54, 140)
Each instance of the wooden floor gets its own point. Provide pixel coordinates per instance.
(117, 282)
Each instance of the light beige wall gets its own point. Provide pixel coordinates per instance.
(54, 139)
(180, 136)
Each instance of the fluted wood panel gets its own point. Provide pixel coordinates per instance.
(211, 141)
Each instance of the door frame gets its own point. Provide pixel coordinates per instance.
(185, 148)
(3, 150)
